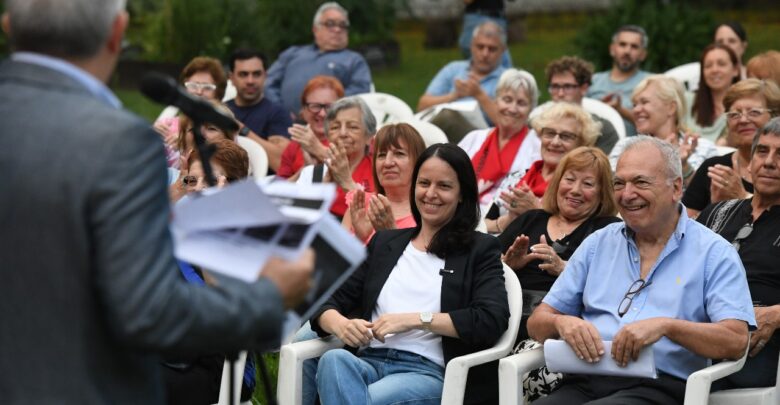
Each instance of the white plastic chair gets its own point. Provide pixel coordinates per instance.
(238, 373)
(431, 134)
(697, 388)
(258, 158)
(688, 75)
(723, 150)
(606, 112)
(292, 355)
(387, 108)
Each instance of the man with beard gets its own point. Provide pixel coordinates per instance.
(628, 50)
(261, 120)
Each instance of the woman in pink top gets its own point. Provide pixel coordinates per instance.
(396, 148)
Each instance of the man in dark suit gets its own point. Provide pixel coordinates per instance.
(90, 292)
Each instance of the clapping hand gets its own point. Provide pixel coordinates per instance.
(380, 213)
(552, 263)
(518, 200)
(338, 166)
(725, 183)
(516, 257)
(361, 224)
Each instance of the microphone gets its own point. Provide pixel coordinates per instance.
(164, 90)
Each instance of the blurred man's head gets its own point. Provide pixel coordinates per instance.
(331, 27)
(247, 72)
(568, 79)
(487, 45)
(628, 48)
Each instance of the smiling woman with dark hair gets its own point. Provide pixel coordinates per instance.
(424, 295)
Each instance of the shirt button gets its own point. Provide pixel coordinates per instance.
(636, 260)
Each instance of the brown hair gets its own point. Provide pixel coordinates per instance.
(322, 82)
(584, 157)
(754, 87)
(581, 69)
(211, 66)
(392, 135)
(765, 66)
(230, 156)
(703, 108)
(186, 122)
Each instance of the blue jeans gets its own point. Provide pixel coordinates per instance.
(471, 21)
(378, 377)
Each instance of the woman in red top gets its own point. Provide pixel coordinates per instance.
(350, 126)
(561, 127)
(309, 143)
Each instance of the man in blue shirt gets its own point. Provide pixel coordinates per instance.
(328, 56)
(660, 280)
(614, 87)
(262, 120)
(471, 79)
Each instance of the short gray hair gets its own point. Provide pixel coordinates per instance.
(636, 30)
(669, 153)
(68, 29)
(771, 128)
(369, 121)
(491, 30)
(328, 6)
(515, 80)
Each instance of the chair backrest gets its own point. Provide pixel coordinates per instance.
(605, 111)
(387, 108)
(431, 134)
(238, 378)
(688, 75)
(258, 158)
(230, 92)
(722, 150)
(514, 294)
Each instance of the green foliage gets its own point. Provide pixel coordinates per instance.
(677, 32)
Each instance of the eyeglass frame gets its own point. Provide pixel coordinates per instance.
(631, 293)
(317, 107)
(200, 86)
(566, 87)
(742, 234)
(738, 114)
(331, 24)
(565, 136)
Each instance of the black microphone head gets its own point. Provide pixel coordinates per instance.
(159, 87)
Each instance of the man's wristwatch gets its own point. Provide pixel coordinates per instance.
(244, 131)
(426, 318)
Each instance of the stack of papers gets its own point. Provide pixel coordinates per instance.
(561, 358)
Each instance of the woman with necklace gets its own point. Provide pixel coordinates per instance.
(538, 243)
(423, 296)
(749, 105)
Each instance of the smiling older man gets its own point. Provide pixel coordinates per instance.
(328, 56)
(659, 281)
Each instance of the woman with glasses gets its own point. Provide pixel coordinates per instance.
(561, 127)
(749, 105)
(202, 77)
(350, 125)
(719, 70)
(510, 146)
(309, 144)
(396, 148)
(659, 111)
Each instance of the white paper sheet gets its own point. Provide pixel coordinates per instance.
(561, 358)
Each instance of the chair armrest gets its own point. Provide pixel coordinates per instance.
(697, 388)
(510, 374)
(291, 358)
(454, 389)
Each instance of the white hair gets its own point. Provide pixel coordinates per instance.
(669, 153)
(328, 6)
(491, 30)
(515, 80)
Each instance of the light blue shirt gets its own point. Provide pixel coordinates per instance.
(444, 81)
(602, 84)
(697, 277)
(92, 84)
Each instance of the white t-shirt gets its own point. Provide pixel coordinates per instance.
(414, 285)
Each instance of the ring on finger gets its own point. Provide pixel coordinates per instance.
(760, 343)
(513, 204)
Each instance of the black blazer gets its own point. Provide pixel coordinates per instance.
(473, 295)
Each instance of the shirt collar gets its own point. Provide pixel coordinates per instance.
(89, 82)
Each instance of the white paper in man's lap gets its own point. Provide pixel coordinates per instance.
(561, 358)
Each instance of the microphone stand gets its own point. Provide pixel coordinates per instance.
(205, 151)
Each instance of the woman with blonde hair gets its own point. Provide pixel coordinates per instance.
(561, 127)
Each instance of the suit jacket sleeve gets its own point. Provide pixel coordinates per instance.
(135, 274)
(482, 322)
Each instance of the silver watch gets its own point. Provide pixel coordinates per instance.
(426, 318)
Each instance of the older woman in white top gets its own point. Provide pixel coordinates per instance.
(511, 145)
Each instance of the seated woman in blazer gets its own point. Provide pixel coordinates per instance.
(424, 296)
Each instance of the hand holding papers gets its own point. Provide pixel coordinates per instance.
(560, 357)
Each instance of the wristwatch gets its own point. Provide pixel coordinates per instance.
(244, 131)
(426, 318)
